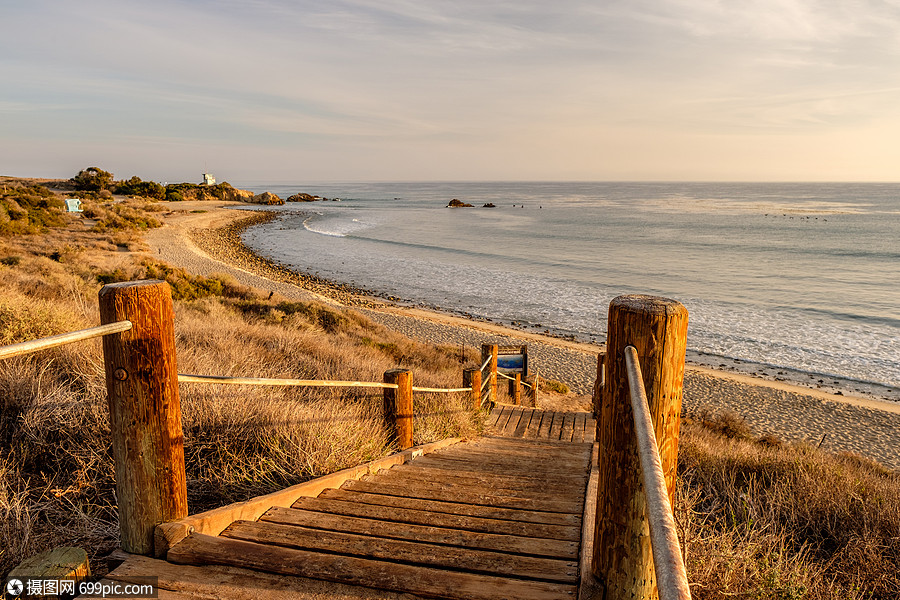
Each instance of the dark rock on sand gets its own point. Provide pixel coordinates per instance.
(458, 204)
(301, 197)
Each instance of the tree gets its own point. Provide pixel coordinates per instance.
(93, 179)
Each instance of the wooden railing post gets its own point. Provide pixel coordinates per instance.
(472, 379)
(657, 328)
(398, 407)
(515, 389)
(491, 350)
(144, 410)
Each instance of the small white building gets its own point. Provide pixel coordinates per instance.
(208, 179)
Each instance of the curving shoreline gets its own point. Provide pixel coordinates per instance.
(210, 243)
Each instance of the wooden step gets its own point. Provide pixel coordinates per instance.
(408, 552)
(454, 508)
(438, 492)
(444, 520)
(425, 581)
(424, 533)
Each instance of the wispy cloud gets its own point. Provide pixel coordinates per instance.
(517, 80)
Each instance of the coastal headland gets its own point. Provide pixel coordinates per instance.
(209, 242)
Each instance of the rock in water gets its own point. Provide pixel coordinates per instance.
(266, 198)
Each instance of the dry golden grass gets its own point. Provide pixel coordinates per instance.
(762, 519)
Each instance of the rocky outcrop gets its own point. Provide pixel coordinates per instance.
(192, 191)
(489, 205)
(458, 204)
(267, 198)
(303, 198)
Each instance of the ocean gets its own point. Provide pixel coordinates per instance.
(800, 276)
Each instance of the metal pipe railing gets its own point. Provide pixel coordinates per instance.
(671, 577)
(62, 339)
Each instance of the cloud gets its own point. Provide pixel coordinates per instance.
(450, 78)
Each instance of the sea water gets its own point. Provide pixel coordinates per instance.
(800, 276)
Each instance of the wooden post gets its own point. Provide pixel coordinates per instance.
(398, 407)
(535, 387)
(472, 379)
(515, 389)
(657, 328)
(144, 410)
(491, 350)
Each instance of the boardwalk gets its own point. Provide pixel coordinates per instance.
(496, 517)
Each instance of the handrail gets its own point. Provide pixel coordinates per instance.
(486, 363)
(61, 339)
(668, 563)
(186, 378)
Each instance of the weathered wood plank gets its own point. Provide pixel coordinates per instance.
(518, 445)
(424, 533)
(546, 424)
(453, 508)
(461, 477)
(503, 419)
(546, 503)
(434, 555)
(590, 430)
(578, 468)
(435, 583)
(217, 582)
(534, 425)
(443, 520)
(494, 418)
(578, 436)
(556, 428)
(578, 471)
(524, 458)
(568, 428)
(513, 422)
(527, 414)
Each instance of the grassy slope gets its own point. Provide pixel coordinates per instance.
(758, 519)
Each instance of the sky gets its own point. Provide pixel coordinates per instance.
(410, 90)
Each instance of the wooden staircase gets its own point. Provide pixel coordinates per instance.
(496, 517)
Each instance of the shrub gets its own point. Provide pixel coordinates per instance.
(93, 179)
(551, 385)
(29, 209)
(121, 216)
(145, 189)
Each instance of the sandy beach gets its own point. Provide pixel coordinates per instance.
(202, 238)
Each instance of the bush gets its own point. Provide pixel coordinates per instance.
(29, 209)
(93, 179)
(145, 189)
(121, 216)
(551, 385)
